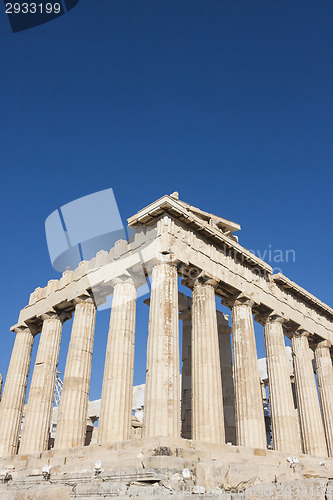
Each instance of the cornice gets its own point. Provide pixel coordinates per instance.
(300, 292)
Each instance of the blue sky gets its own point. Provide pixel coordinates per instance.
(228, 102)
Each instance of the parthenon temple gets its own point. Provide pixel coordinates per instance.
(203, 407)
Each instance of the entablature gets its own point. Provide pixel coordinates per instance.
(195, 247)
(303, 294)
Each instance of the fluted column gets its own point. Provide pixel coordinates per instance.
(117, 392)
(312, 430)
(12, 402)
(185, 316)
(283, 413)
(227, 382)
(72, 419)
(207, 400)
(162, 391)
(250, 424)
(324, 370)
(38, 413)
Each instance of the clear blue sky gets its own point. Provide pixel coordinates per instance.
(228, 102)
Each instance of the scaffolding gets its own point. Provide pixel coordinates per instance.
(57, 390)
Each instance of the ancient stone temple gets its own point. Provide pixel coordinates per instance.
(203, 426)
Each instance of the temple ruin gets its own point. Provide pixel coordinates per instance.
(203, 416)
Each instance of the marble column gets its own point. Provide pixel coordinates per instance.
(117, 392)
(13, 396)
(324, 371)
(38, 413)
(162, 391)
(227, 382)
(186, 410)
(250, 423)
(73, 408)
(312, 430)
(207, 399)
(283, 413)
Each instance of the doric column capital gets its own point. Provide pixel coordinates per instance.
(162, 258)
(19, 328)
(301, 344)
(300, 332)
(61, 315)
(238, 299)
(84, 298)
(275, 318)
(324, 344)
(270, 318)
(205, 280)
(125, 277)
(202, 279)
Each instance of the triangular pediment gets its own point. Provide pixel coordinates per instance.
(183, 211)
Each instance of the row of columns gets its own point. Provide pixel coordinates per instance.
(71, 426)
(204, 408)
(316, 425)
(206, 355)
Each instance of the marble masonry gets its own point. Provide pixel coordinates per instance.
(203, 420)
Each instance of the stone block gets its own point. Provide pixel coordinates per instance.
(163, 462)
(143, 491)
(35, 462)
(52, 286)
(44, 492)
(100, 489)
(210, 475)
(66, 278)
(121, 464)
(174, 482)
(240, 476)
(307, 489)
(287, 474)
(192, 454)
